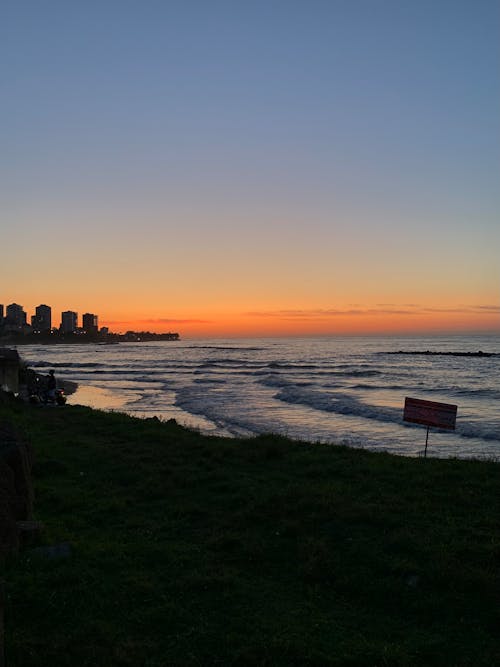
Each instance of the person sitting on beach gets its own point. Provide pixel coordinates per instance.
(51, 386)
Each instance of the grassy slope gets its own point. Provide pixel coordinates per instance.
(188, 550)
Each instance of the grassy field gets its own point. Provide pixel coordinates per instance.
(190, 550)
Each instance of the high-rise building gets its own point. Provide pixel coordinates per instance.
(42, 320)
(89, 323)
(16, 317)
(69, 321)
(1, 314)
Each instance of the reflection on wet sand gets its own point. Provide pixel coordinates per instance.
(99, 398)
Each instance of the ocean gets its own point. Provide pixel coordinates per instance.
(340, 390)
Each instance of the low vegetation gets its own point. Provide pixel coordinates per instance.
(191, 550)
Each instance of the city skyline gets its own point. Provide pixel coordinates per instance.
(89, 321)
(15, 316)
(252, 169)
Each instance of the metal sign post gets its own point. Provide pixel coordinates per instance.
(430, 413)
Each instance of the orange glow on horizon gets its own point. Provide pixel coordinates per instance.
(254, 317)
(302, 323)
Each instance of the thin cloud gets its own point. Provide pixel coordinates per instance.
(161, 320)
(493, 309)
(381, 309)
(325, 314)
(170, 320)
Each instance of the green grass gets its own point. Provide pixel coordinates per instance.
(190, 550)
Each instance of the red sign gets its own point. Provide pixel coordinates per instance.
(430, 413)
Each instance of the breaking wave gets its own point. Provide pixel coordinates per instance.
(315, 388)
(345, 404)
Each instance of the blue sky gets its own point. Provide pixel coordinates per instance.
(365, 132)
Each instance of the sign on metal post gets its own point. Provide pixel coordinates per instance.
(430, 413)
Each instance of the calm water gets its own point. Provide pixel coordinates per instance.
(340, 390)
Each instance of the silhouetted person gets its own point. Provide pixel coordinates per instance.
(51, 386)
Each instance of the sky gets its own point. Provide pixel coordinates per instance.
(234, 168)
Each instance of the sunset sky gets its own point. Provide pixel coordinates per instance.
(272, 167)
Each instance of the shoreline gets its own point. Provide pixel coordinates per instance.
(117, 409)
(83, 339)
(315, 393)
(68, 386)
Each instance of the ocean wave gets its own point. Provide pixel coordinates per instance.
(223, 372)
(103, 375)
(483, 431)
(211, 380)
(325, 373)
(220, 347)
(223, 363)
(280, 364)
(480, 393)
(199, 401)
(278, 380)
(360, 370)
(356, 364)
(62, 364)
(348, 405)
(357, 373)
(437, 353)
(484, 392)
(378, 387)
(337, 402)
(112, 368)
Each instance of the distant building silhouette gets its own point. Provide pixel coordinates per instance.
(15, 319)
(41, 321)
(69, 321)
(89, 323)
(14, 326)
